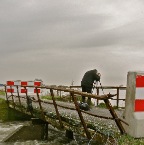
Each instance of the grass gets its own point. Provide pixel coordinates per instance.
(2, 92)
(3, 109)
(7, 114)
(2, 100)
(128, 140)
(103, 105)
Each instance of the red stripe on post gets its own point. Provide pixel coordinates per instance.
(139, 105)
(23, 83)
(23, 90)
(10, 90)
(37, 83)
(10, 83)
(35, 90)
(139, 81)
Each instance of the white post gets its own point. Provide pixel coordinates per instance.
(134, 106)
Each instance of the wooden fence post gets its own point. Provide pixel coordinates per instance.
(114, 115)
(39, 101)
(55, 105)
(81, 117)
(97, 88)
(117, 97)
(12, 96)
(6, 96)
(19, 97)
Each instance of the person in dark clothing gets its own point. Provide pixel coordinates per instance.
(87, 82)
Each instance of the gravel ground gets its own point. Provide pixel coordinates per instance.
(88, 118)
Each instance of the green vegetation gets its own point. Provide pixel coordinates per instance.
(7, 114)
(2, 92)
(2, 100)
(128, 140)
(3, 109)
(102, 105)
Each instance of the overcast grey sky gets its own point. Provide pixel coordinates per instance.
(58, 40)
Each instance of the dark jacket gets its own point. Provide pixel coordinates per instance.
(89, 78)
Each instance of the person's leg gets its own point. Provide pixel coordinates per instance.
(89, 90)
(83, 90)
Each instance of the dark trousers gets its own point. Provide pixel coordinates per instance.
(86, 89)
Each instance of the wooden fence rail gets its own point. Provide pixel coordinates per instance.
(118, 89)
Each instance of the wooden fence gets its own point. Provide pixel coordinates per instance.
(11, 99)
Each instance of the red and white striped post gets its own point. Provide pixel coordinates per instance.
(134, 105)
(139, 97)
(11, 87)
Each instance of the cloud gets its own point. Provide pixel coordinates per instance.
(59, 40)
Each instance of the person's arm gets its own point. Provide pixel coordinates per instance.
(97, 76)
